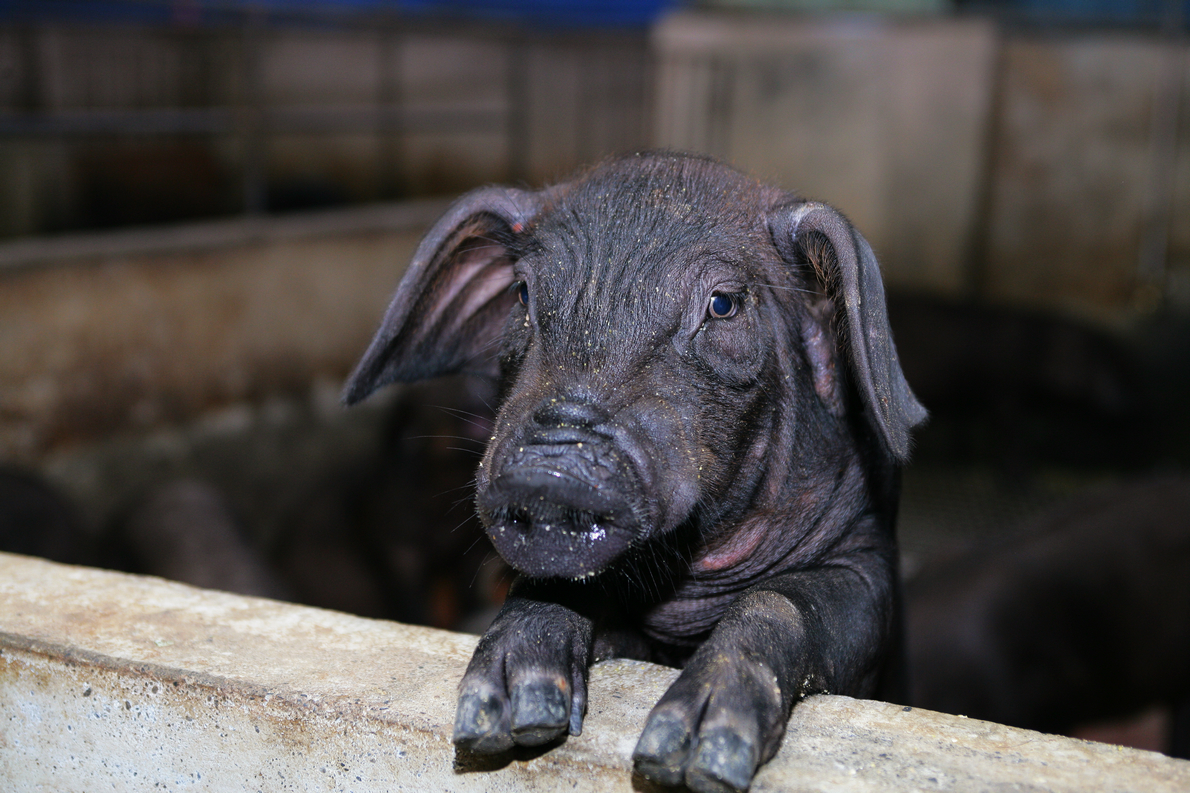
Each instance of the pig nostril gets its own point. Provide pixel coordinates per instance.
(519, 520)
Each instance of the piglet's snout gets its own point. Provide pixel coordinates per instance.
(563, 499)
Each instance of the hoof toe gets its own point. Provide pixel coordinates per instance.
(540, 713)
(479, 724)
(723, 763)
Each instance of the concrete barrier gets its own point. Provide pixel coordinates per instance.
(117, 682)
(125, 331)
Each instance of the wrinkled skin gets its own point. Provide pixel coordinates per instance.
(695, 455)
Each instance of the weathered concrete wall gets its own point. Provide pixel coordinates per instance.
(116, 682)
(1040, 169)
(886, 120)
(133, 330)
(1043, 168)
(1076, 152)
(295, 116)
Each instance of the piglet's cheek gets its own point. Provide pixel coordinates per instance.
(734, 550)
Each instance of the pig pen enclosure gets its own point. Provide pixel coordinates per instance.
(179, 385)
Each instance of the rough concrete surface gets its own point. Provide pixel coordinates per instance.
(117, 682)
(1074, 156)
(107, 332)
(850, 110)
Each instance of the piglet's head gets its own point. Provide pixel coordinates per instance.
(657, 326)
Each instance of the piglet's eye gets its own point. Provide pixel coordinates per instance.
(522, 293)
(722, 306)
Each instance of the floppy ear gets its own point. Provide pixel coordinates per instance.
(851, 277)
(453, 300)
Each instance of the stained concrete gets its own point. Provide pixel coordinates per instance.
(132, 330)
(117, 682)
(1074, 153)
(884, 118)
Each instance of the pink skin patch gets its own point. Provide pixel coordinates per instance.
(738, 547)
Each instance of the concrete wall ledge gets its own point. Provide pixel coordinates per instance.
(117, 682)
(210, 235)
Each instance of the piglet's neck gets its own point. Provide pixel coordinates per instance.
(801, 529)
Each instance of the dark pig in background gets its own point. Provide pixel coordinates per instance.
(38, 519)
(394, 535)
(695, 458)
(182, 530)
(185, 530)
(1021, 387)
(1082, 614)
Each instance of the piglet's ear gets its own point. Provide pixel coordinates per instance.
(851, 276)
(453, 300)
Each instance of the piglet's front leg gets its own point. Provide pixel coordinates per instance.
(797, 634)
(526, 684)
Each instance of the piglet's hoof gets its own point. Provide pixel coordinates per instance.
(481, 723)
(535, 713)
(540, 713)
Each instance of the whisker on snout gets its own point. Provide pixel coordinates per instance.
(488, 354)
(463, 414)
(467, 499)
(487, 558)
(505, 573)
(463, 523)
(445, 438)
(475, 452)
(651, 568)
